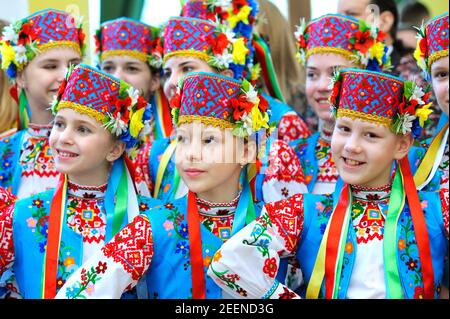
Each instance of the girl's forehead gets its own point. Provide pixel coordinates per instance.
(327, 60)
(197, 126)
(60, 54)
(72, 115)
(119, 59)
(175, 61)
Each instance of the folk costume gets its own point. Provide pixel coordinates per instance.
(355, 41)
(178, 238)
(432, 45)
(47, 236)
(387, 242)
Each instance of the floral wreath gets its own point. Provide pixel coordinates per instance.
(412, 113)
(226, 49)
(131, 118)
(366, 45)
(19, 45)
(421, 51)
(250, 110)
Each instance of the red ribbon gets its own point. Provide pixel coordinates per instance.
(166, 115)
(334, 234)
(53, 240)
(420, 227)
(195, 248)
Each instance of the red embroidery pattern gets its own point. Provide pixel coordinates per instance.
(141, 162)
(6, 235)
(132, 247)
(284, 164)
(444, 204)
(291, 127)
(288, 216)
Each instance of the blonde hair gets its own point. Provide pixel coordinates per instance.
(276, 29)
(8, 107)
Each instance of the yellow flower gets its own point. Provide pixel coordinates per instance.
(377, 52)
(8, 55)
(256, 72)
(240, 51)
(258, 119)
(136, 124)
(423, 113)
(418, 56)
(241, 16)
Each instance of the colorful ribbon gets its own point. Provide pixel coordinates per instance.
(163, 165)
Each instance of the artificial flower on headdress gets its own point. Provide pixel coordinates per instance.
(413, 111)
(335, 87)
(368, 47)
(302, 39)
(420, 53)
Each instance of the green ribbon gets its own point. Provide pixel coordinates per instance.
(396, 203)
(120, 208)
(23, 110)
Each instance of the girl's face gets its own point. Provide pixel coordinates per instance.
(83, 148)
(363, 151)
(41, 79)
(177, 67)
(319, 71)
(133, 71)
(439, 77)
(209, 160)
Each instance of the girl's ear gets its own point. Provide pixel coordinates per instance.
(20, 80)
(155, 82)
(116, 151)
(404, 144)
(227, 72)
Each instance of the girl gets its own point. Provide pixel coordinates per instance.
(375, 237)
(327, 43)
(35, 54)
(432, 56)
(214, 148)
(131, 51)
(53, 232)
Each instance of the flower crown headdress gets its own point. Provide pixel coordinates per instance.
(125, 36)
(432, 42)
(339, 34)
(222, 102)
(378, 97)
(112, 102)
(24, 39)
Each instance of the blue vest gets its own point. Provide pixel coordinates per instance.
(30, 226)
(316, 221)
(169, 275)
(10, 169)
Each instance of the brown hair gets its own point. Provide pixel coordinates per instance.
(275, 29)
(8, 107)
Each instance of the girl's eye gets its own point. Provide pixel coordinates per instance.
(187, 69)
(343, 128)
(108, 69)
(209, 139)
(311, 75)
(84, 130)
(132, 69)
(58, 124)
(50, 66)
(180, 138)
(441, 75)
(371, 135)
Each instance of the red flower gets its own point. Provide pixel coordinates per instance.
(26, 34)
(81, 36)
(122, 107)
(286, 294)
(237, 5)
(218, 44)
(335, 93)
(101, 268)
(141, 103)
(302, 41)
(175, 101)
(97, 44)
(270, 267)
(363, 41)
(62, 88)
(423, 47)
(240, 107)
(381, 36)
(408, 107)
(418, 293)
(263, 104)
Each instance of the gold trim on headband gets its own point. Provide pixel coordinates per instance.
(364, 116)
(436, 56)
(82, 109)
(187, 53)
(58, 44)
(135, 54)
(347, 54)
(207, 120)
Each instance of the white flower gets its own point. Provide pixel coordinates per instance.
(223, 60)
(406, 123)
(225, 4)
(417, 94)
(116, 125)
(133, 94)
(231, 36)
(300, 29)
(21, 54)
(9, 34)
(252, 95)
(247, 121)
(147, 129)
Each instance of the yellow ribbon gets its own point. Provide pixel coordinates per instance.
(163, 165)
